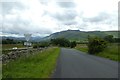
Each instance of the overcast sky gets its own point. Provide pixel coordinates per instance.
(44, 17)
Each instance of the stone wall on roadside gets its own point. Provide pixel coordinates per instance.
(13, 55)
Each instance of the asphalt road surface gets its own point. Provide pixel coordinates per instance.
(75, 64)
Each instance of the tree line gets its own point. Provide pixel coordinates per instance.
(61, 42)
(10, 41)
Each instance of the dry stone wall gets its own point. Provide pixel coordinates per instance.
(13, 55)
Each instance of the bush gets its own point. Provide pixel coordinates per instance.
(116, 40)
(73, 44)
(96, 45)
(62, 42)
(35, 46)
(109, 38)
(41, 45)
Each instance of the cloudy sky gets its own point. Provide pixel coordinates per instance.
(44, 17)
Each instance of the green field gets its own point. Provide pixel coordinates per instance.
(10, 46)
(82, 47)
(40, 65)
(111, 52)
(5, 47)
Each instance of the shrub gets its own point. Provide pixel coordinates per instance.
(73, 44)
(62, 42)
(35, 46)
(41, 45)
(109, 38)
(96, 45)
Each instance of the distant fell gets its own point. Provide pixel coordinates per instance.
(80, 35)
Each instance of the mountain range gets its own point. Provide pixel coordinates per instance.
(80, 35)
(72, 35)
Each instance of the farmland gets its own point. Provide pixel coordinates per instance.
(82, 47)
(6, 47)
(10, 46)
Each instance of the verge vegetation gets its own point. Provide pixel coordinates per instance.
(110, 52)
(39, 65)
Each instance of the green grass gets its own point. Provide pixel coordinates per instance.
(82, 47)
(111, 52)
(40, 65)
(1, 70)
(10, 46)
(5, 47)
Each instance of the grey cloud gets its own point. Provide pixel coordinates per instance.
(66, 4)
(21, 29)
(100, 18)
(119, 15)
(14, 28)
(8, 6)
(67, 17)
(20, 26)
(44, 2)
(70, 23)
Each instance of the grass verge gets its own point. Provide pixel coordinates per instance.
(111, 52)
(39, 65)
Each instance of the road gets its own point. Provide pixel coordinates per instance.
(75, 64)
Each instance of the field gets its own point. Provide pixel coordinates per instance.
(111, 52)
(82, 47)
(10, 46)
(40, 65)
(5, 47)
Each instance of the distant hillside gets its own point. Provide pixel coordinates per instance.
(33, 39)
(80, 35)
(68, 34)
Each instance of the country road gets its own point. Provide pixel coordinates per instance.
(75, 64)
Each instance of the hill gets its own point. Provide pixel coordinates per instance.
(80, 35)
(68, 34)
(32, 39)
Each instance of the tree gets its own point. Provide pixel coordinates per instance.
(96, 45)
(109, 38)
(117, 40)
(8, 41)
(41, 45)
(73, 44)
(62, 42)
